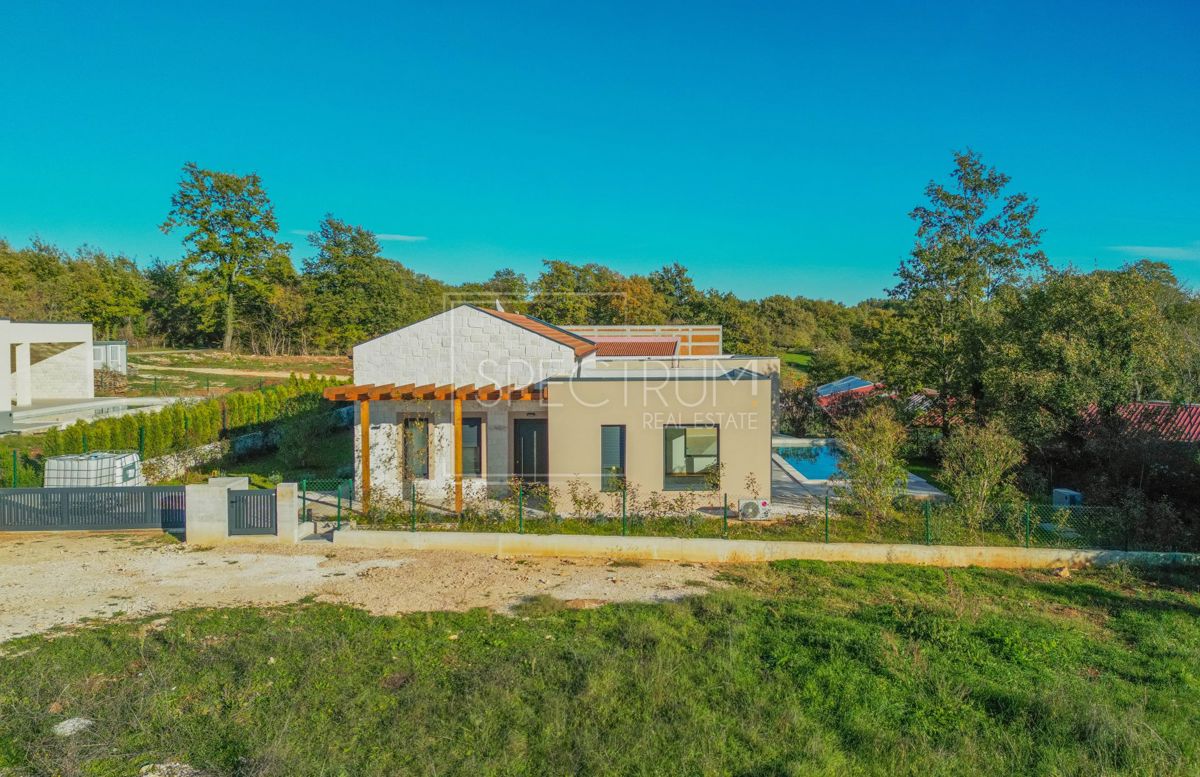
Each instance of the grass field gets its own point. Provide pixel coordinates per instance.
(200, 359)
(164, 372)
(795, 366)
(795, 669)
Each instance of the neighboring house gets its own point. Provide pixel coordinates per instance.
(464, 401)
(110, 355)
(842, 389)
(42, 361)
(1170, 422)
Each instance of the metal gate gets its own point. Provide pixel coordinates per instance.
(252, 512)
(92, 509)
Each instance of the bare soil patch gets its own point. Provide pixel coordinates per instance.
(49, 581)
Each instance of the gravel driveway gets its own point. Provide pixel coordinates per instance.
(55, 580)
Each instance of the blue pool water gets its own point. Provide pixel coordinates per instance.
(815, 462)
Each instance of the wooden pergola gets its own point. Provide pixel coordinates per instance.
(364, 393)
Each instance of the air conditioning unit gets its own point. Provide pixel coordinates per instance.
(754, 509)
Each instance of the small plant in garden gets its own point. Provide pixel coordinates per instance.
(585, 503)
(979, 465)
(871, 443)
(751, 486)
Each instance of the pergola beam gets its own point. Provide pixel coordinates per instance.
(431, 391)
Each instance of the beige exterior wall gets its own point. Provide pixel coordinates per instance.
(740, 408)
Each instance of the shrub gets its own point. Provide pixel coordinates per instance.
(871, 443)
(979, 464)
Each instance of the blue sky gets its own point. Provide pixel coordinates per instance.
(771, 148)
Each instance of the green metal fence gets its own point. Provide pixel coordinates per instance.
(326, 499)
(824, 519)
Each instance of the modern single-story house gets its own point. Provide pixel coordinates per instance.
(458, 405)
(43, 362)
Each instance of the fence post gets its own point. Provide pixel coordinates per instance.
(412, 499)
(928, 537)
(827, 517)
(624, 511)
(520, 507)
(142, 442)
(725, 515)
(304, 498)
(339, 506)
(1028, 510)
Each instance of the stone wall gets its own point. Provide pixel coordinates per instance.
(461, 346)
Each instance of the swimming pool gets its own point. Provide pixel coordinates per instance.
(814, 462)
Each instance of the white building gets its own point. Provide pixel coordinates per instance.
(462, 402)
(111, 355)
(43, 362)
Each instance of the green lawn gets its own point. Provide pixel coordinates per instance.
(796, 365)
(331, 458)
(199, 359)
(796, 669)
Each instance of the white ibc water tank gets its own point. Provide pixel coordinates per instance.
(99, 469)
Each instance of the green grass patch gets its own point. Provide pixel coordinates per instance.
(328, 460)
(795, 367)
(797, 668)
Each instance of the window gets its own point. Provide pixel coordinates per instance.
(472, 447)
(415, 444)
(98, 354)
(612, 458)
(691, 457)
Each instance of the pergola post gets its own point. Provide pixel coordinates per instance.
(364, 412)
(458, 445)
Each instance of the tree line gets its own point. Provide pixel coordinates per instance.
(979, 323)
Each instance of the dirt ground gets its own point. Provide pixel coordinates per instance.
(54, 580)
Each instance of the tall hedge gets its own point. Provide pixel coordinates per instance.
(183, 425)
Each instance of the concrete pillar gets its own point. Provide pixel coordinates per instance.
(6, 396)
(289, 527)
(207, 514)
(22, 376)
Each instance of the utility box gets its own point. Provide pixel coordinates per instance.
(90, 470)
(1065, 497)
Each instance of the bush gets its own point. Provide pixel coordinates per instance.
(871, 443)
(978, 469)
(185, 425)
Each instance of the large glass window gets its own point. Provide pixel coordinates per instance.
(472, 447)
(612, 458)
(691, 457)
(415, 444)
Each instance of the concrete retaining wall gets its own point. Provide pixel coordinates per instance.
(722, 551)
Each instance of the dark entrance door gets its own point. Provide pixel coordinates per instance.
(531, 447)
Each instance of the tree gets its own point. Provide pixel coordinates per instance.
(871, 443)
(1082, 340)
(800, 414)
(675, 284)
(978, 469)
(230, 232)
(566, 293)
(355, 293)
(973, 244)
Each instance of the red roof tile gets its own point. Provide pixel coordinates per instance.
(636, 346)
(1176, 423)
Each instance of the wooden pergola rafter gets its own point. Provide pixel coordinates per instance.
(365, 393)
(431, 391)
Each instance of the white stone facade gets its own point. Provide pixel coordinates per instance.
(387, 476)
(462, 346)
(40, 360)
